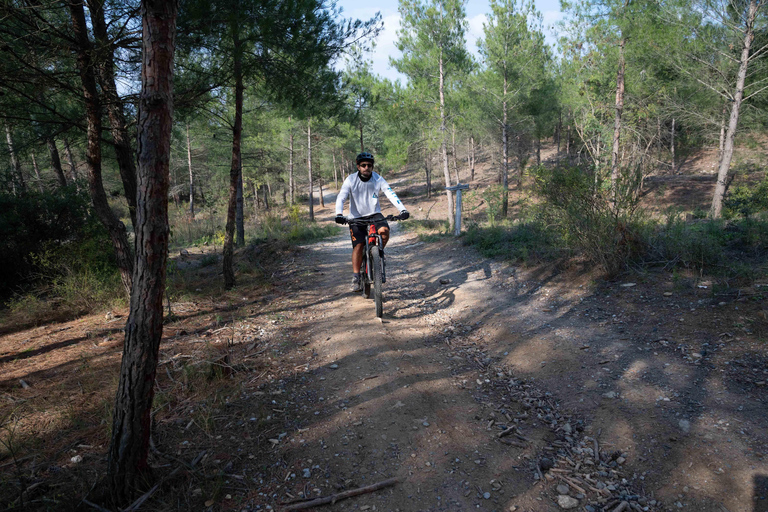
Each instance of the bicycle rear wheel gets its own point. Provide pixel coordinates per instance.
(377, 286)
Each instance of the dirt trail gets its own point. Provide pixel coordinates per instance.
(468, 348)
(385, 400)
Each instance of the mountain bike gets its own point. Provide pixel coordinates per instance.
(373, 267)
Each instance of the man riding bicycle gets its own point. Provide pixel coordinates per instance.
(363, 189)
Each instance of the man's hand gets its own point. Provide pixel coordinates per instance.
(340, 219)
(404, 215)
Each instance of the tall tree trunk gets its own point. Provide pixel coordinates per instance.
(19, 185)
(362, 146)
(71, 162)
(672, 145)
(335, 172)
(322, 201)
(127, 465)
(267, 194)
(444, 145)
(236, 167)
(428, 172)
(469, 152)
(558, 132)
(721, 145)
(56, 161)
(105, 67)
(255, 199)
(191, 178)
(290, 163)
(85, 67)
(521, 152)
(538, 151)
(239, 211)
(309, 168)
(37, 172)
(617, 124)
(658, 138)
(504, 152)
(454, 154)
(730, 135)
(472, 157)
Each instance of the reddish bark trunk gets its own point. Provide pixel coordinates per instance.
(127, 465)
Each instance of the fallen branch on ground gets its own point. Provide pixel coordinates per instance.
(343, 495)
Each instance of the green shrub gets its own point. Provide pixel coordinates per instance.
(45, 236)
(297, 229)
(735, 248)
(429, 230)
(689, 244)
(527, 241)
(577, 204)
(494, 200)
(746, 200)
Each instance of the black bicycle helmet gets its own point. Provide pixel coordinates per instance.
(364, 156)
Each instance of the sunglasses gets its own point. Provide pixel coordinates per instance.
(365, 165)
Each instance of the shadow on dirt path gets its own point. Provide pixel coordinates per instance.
(464, 344)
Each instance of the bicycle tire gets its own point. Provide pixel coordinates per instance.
(377, 285)
(366, 281)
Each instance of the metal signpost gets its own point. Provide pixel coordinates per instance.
(458, 188)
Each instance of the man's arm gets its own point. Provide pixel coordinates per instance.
(391, 195)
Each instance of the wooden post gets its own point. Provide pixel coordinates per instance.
(457, 188)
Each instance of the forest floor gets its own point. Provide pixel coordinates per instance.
(486, 386)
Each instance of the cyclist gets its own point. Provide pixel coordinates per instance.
(363, 189)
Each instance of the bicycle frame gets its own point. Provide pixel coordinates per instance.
(372, 265)
(373, 239)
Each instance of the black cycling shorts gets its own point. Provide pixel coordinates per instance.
(358, 233)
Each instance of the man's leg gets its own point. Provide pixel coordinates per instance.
(384, 232)
(357, 258)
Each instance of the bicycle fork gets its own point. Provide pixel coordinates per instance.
(373, 242)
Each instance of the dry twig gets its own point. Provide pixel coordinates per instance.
(343, 495)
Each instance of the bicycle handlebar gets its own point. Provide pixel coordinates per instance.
(366, 222)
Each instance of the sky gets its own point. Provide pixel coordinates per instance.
(476, 15)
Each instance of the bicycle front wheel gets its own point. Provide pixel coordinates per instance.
(365, 280)
(376, 264)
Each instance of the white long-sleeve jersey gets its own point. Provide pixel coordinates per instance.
(364, 196)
